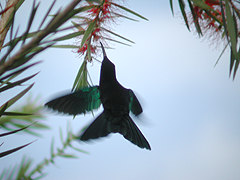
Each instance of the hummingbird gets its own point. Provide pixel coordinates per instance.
(117, 102)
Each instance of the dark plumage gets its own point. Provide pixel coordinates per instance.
(117, 102)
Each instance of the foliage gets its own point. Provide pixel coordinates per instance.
(13, 60)
(219, 18)
(92, 26)
(27, 170)
(89, 19)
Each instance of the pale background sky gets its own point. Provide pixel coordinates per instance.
(191, 109)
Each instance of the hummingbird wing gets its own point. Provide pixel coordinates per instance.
(81, 101)
(134, 105)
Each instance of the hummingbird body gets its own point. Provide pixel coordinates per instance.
(117, 102)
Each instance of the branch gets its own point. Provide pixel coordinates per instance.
(5, 20)
(60, 19)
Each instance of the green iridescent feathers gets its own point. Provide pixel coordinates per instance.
(86, 100)
(80, 102)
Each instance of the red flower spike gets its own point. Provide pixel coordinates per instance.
(83, 49)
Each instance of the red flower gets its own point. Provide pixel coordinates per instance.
(83, 49)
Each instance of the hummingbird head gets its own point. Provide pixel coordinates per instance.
(107, 68)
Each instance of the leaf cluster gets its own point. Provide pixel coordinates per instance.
(91, 29)
(226, 16)
(27, 170)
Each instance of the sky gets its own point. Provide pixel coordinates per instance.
(191, 108)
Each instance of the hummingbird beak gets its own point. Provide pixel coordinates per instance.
(103, 50)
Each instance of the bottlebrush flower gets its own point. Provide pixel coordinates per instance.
(100, 14)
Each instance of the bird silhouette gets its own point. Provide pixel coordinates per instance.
(117, 103)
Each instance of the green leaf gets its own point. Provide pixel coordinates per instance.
(182, 8)
(52, 147)
(224, 49)
(16, 73)
(33, 13)
(5, 153)
(69, 36)
(16, 114)
(126, 17)
(79, 150)
(14, 84)
(171, 5)
(3, 108)
(24, 167)
(89, 57)
(61, 135)
(232, 61)
(130, 11)
(196, 23)
(15, 131)
(201, 4)
(88, 32)
(231, 27)
(81, 78)
(115, 34)
(67, 155)
(15, 40)
(46, 15)
(109, 39)
(235, 68)
(65, 46)
(18, 96)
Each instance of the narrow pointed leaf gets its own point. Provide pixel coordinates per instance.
(113, 40)
(52, 147)
(15, 131)
(68, 155)
(231, 27)
(88, 32)
(126, 17)
(33, 13)
(14, 84)
(19, 71)
(182, 8)
(18, 96)
(46, 15)
(79, 150)
(61, 135)
(130, 11)
(65, 46)
(5, 153)
(224, 49)
(3, 108)
(171, 5)
(232, 61)
(16, 114)
(69, 36)
(115, 34)
(196, 23)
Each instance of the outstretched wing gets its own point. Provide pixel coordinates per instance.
(134, 105)
(81, 101)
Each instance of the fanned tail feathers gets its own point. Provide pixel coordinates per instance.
(133, 134)
(97, 129)
(105, 124)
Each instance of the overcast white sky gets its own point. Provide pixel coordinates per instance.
(191, 109)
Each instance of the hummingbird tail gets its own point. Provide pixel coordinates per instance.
(131, 132)
(105, 124)
(98, 128)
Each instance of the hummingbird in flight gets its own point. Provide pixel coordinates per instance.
(117, 103)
